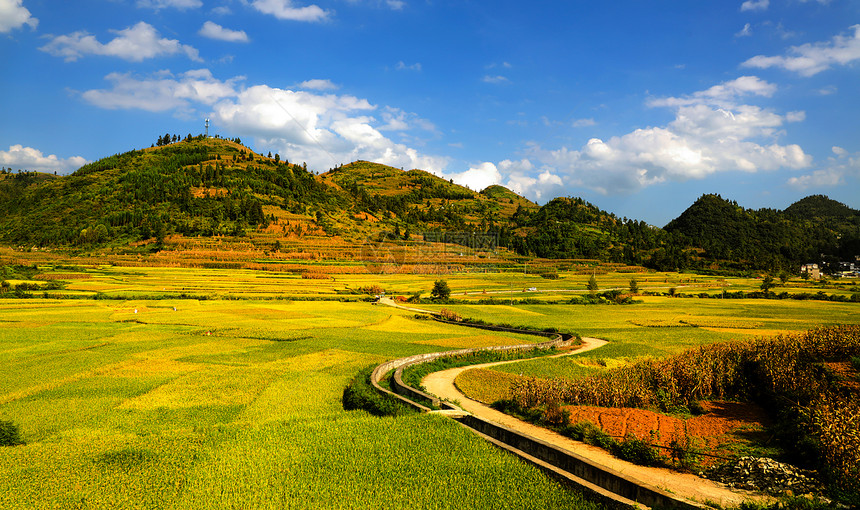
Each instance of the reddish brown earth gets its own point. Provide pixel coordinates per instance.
(848, 376)
(725, 424)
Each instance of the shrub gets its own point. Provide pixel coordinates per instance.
(360, 394)
(588, 433)
(449, 315)
(636, 451)
(10, 434)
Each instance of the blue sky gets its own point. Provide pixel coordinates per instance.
(639, 107)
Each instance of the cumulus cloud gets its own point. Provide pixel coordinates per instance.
(396, 119)
(402, 66)
(755, 5)
(396, 5)
(834, 172)
(478, 177)
(19, 157)
(812, 58)
(519, 177)
(318, 85)
(712, 132)
(324, 130)
(584, 123)
(726, 93)
(162, 91)
(135, 43)
(798, 116)
(14, 15)
(164, 4)
(284, 9)
(494, 79)
(216, 31)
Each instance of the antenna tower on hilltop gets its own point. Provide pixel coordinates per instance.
(207, 128)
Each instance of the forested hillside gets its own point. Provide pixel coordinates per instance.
(194, 187)
(814, 229)
(214, 187)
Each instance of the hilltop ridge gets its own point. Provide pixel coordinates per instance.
(211, 188)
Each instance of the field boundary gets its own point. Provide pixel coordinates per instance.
(421, 400)
(607, 485)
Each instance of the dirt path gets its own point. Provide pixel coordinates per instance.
(387, 301)
(685, 485)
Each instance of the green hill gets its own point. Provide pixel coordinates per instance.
(211, 188)
(819, 206)
(813, 229)
(194, 187)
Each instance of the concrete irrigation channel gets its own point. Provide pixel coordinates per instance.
(615, 482)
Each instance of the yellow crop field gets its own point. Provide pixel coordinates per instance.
(183, 387)
(229, 403)
(482, 341)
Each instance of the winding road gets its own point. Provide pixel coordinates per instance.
(689, 486)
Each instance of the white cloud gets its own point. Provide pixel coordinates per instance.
(162, 92)
(396, 5)
(494, 79)
(136, 43)
(318, 84)
(724, 94)
(398, 120)
(164, 4)
(519, 178)
(812, 58)
(711, 133)
(401, 66)
(755, 5)
(323, 130)
(818, 179)
(798, 116)
(479, 177)
(838, 169)
(583, 123)
(19, 157)
(284, 9)
(222, 10)
(14, 15)
(216, 31)
(746, 31)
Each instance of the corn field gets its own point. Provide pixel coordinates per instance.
(787, 367)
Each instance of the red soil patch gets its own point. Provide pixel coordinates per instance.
(724, 424)
(848, 376)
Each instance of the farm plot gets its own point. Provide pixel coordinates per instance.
(225, 404)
